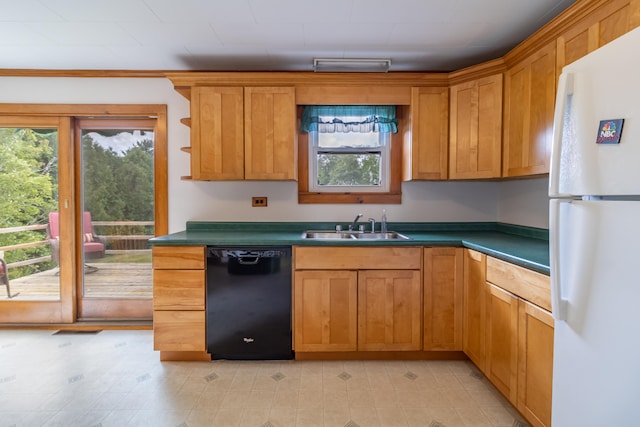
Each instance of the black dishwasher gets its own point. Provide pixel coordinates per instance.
(249, 303)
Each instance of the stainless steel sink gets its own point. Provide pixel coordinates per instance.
(351, 235)
(328, 235)
(389, 235)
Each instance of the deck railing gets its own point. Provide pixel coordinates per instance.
(25, 245)
(112, 239)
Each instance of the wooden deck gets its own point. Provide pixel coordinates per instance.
(110, 280)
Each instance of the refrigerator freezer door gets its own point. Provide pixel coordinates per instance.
(596, 378)
(595, 90)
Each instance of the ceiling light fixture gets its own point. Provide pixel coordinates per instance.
(348, 65)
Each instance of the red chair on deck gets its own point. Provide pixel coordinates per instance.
(94, 246)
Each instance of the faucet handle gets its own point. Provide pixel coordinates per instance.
(355, 221)
(373, 225)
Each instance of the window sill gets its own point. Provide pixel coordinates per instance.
(350, 198)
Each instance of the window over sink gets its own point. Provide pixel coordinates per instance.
(349, 153)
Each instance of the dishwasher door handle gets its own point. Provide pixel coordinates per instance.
(248, 260)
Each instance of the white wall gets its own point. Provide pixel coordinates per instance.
(515, 202)
(524, 202)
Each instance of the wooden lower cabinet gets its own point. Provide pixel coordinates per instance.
(474, 317)
(502, 341)
(179, 289)
(179, 295)
(357, 299)
(325, 310)
(535, 363)
(347, 310)
(506, 335)
(443, 299)
(389, 310)
(179, 330)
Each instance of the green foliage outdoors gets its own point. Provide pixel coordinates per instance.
(117, 187)
(28, 191)
(348, 169)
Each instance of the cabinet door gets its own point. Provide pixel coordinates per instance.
(527, 284)
(178, 257)
(535, 363)
(528, 120)
(602, 25)
(502, 341)
(389, 310)
(179, 289)
(426, 150)
(217, 140)
(325, 310)
(270, 133)
(443, 296)
(476, 129)
(474, 319)
(179, 330)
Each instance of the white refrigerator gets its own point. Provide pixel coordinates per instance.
(594, 189)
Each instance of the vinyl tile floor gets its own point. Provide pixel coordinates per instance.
(114, 378)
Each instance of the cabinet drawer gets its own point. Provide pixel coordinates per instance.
(178, 289)
(179, 257)
(528, 285)
(355, 258)
(179, 330)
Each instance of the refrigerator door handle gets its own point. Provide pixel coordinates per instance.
(558, 304)
(565, 90)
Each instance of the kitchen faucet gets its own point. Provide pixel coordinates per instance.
(373, 225)
(355, 222)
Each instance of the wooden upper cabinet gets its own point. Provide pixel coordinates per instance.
(217, 138)
(270, 133)
(243, 133)
(426, 135)
(600, 27)
(476, 129)
(530, 88)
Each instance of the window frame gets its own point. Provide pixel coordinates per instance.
(393, 196)
(383, 149)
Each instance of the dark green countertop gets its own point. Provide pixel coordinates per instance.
(524, 246)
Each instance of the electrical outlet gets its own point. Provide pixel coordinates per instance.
(260, 202)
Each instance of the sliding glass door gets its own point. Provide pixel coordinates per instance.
(79, 199)
(116, 216)
(35, 249)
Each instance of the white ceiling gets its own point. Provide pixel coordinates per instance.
(418, 35)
